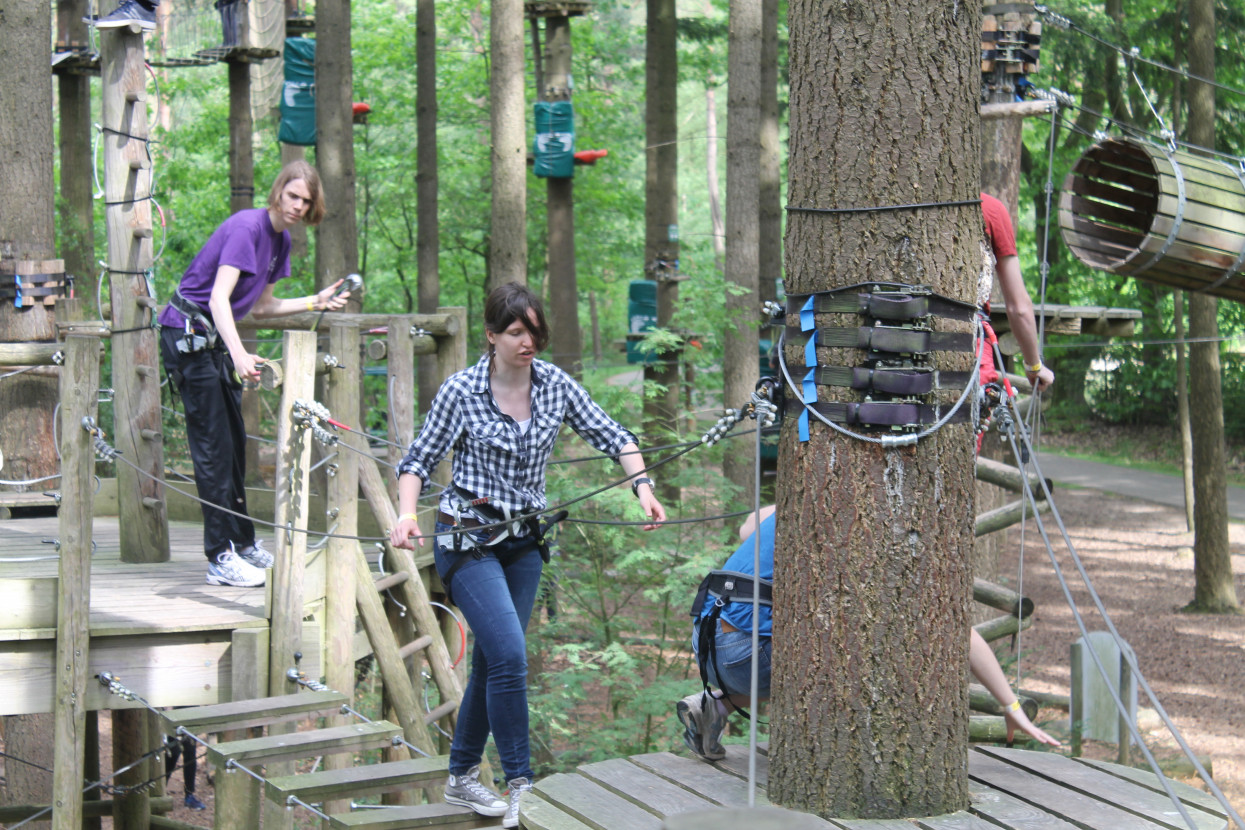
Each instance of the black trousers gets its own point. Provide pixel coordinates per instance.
(212, 400)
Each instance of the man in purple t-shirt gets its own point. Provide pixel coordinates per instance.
(233, 275)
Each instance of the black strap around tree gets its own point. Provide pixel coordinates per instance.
(889, 339)
(888, 413)
(884, 305)
(906, 381)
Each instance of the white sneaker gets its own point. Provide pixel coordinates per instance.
(257, 555)
(127, 12)
(229, 569)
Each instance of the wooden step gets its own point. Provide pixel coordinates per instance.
(291, 746)
(261, 711)
(422, 815)
(537, 814)
(327, 785)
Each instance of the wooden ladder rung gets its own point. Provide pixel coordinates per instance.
(418, 644)
(292, 746)
(327, 785)
(421, 815)
(441, 711)
(261, 711)
(392, 580)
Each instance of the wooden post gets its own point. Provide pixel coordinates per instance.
(286, 578)
(76, 206)
(451, 358)
(343, 497)
(1125, 739)
(401, 390)
(237, 794)
(136, 378)
(1076, 707)
(129, 741)
(79, 390)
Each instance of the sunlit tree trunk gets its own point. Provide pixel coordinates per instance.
(427, 245)
(869, 715)
(337, 246)
(508, 229)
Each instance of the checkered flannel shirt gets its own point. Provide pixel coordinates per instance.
(493, 458)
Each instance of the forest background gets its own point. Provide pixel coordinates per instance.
(607, 668)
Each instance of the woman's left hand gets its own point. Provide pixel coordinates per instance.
(1019, 720)
(651, 507)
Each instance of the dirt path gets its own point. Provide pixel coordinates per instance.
(1139, 558)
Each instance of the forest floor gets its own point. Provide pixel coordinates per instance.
(1139, 558)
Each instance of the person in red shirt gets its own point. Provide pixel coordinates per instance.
(1002, 245)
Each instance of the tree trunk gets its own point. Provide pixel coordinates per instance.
(427, 246)
(241, 133)
(337, 246)
(712, 184)
(743, 217)
(769, 242)
(1182, 409)
(76, 207)
(1213, 590)
(661, 218)
(565, 341)
(870, 713)
(26, 229)
(508, 231)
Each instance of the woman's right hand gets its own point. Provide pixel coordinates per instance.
(404, 532)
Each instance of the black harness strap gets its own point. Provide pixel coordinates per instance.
(195, 313)
(884, 305)
(890, 339)
(892, 381)
(888, 413)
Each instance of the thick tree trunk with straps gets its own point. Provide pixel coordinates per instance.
(872, 558)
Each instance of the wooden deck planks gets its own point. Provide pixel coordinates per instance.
(1097, 784)
(1086, 812)
(736, 763)
(537, 814)
(1008, 811)
(704, 780)
(1147, 779)
(594, 805)
(642, 788)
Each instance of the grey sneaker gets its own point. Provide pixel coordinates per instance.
(466, 791)
(702, 725)
(518, 786)
(228, 569)
(257, 555)
(127, 12)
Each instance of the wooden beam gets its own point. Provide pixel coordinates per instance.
(79, 391)
(1017, 109)
(1003, 599)
(438, 325)
(99, 808)
(237, 804)
(1008, 515)
(30, 354)
(1007, 476)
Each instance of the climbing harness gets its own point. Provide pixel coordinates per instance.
(477, 524)
(192, 341)
(725, 587)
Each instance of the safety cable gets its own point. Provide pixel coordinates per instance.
(1102, 611)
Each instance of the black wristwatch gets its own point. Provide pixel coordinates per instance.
(636, 482)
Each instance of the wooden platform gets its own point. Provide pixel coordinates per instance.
(160, 627)
(1010, 788)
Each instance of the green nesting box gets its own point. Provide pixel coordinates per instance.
(641, 317)
(554, 146)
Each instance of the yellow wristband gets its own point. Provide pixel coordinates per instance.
(1014, 706)
(1035, 368)
(311, 305)
(410, 516)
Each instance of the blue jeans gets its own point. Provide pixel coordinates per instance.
(497, 603)
(731, 670)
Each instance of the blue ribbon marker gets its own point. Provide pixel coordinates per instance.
(806, 315)
(809, 385)
(810, 351)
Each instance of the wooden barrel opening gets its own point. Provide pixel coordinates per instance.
(1166, 216)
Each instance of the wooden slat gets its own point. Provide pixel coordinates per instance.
(1008, 811)
(1098, 784)
(1147, 779)
(537, 814)
(700, 778)
(295, 745)
(1132, 219)
(358, 781)
(954, 821)
(736, 763)
(1108, 191)
(642, 788)
(593, 804)
(422, 815)
(1090, 167)
(1088, 813)
(244, 714)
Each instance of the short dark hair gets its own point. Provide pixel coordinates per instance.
(510, 302)
(300, 170)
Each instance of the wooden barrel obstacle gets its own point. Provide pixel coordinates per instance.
(1158, 214)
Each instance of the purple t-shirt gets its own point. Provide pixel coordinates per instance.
(248, 242)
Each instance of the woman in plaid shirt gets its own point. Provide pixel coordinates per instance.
(501, 418)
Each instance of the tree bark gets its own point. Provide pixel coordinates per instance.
(337, 246)
(26, 229)
(769, 243)
(565, 341)
(1213, 590)
(76, 207)
(427, 183)
(661, 219)
(871, 613)
(740, 360)
(507, 260)
(1182, 409)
